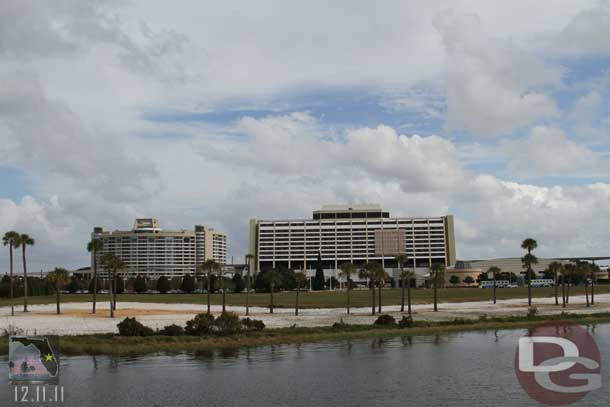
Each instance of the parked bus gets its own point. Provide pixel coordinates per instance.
(490, 284)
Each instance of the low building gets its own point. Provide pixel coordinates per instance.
(462, 270)
(151, 251)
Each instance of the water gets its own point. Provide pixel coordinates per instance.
(466, 369)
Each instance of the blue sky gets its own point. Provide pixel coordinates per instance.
(488, 111)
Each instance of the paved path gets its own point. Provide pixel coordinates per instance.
(42, 320)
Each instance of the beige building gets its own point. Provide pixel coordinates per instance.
(357, 234)
(149, 250)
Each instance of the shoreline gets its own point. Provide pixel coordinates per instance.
(114, 345)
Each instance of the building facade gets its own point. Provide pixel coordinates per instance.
(356, 234)
(151, 251)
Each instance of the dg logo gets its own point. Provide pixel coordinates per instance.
(558, 364)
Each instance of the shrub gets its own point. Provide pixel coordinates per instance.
(202, 324)
(172, 330)
(227, 323)
(131, 327)
(406, 321)
(483, 318)
(385, 320)
(532, 311)
(340, 325)
(252, 324)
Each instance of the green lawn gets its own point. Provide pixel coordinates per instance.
(320, 299)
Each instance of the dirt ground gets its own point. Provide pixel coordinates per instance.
(76, 318)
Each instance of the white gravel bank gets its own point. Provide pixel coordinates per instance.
(160, 315)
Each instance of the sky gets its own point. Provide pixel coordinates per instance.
(216, 112)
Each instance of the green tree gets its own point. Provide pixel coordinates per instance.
(347, 270)
(495, 272)
(10, 239)
(318, 280)
(301, 279)
(238, 282)
(437, 276)
(468, 280)
(209, 267)
(188, 284)
(59, 278)
(140, 284)
(454, 280)
(23, 241)
(273, 278)
(163, 284)
(528, 260)
(112, 263)
(94, 247)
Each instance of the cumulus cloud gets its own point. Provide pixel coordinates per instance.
(47, 135)
(297, 145)
(75, 77)
(492, 86)
(547, 151)
(587, 32)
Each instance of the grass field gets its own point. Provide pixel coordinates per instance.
(320, 299)
(109, 344)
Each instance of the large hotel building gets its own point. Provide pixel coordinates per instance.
(151, 251)
(356, 234)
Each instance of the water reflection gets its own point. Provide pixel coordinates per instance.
(463, 370)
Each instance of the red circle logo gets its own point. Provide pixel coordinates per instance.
(558, 363)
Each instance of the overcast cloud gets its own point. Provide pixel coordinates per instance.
(212, 113)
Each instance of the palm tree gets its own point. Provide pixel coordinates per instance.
(23, 241)
(347, 269)
(221, 281)
(437, 276)
(555, 268)
(94, 247)
(368, 272)
(529, 244)
(494, 272)
(401, 260)
(249, 258)
(10, 239)
(407, 276)
(209, 267)
(59, 278)
(594, 270)
(273, 278)
(380, 277)
(112, 263)
(563, 272)
(569, 272)
(582, 268)
(300, 278)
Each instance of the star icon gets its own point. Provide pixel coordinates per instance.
(49, 357)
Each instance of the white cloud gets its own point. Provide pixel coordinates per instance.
(547, 151)
(491, 84)
(587, 32)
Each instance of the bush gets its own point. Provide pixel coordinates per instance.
(532, 311)
(172, 330)
(227, 323)
(340, 325)
(202, 324)
(252, 324)
(385, 320)
(406, 321)
(131, 327)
